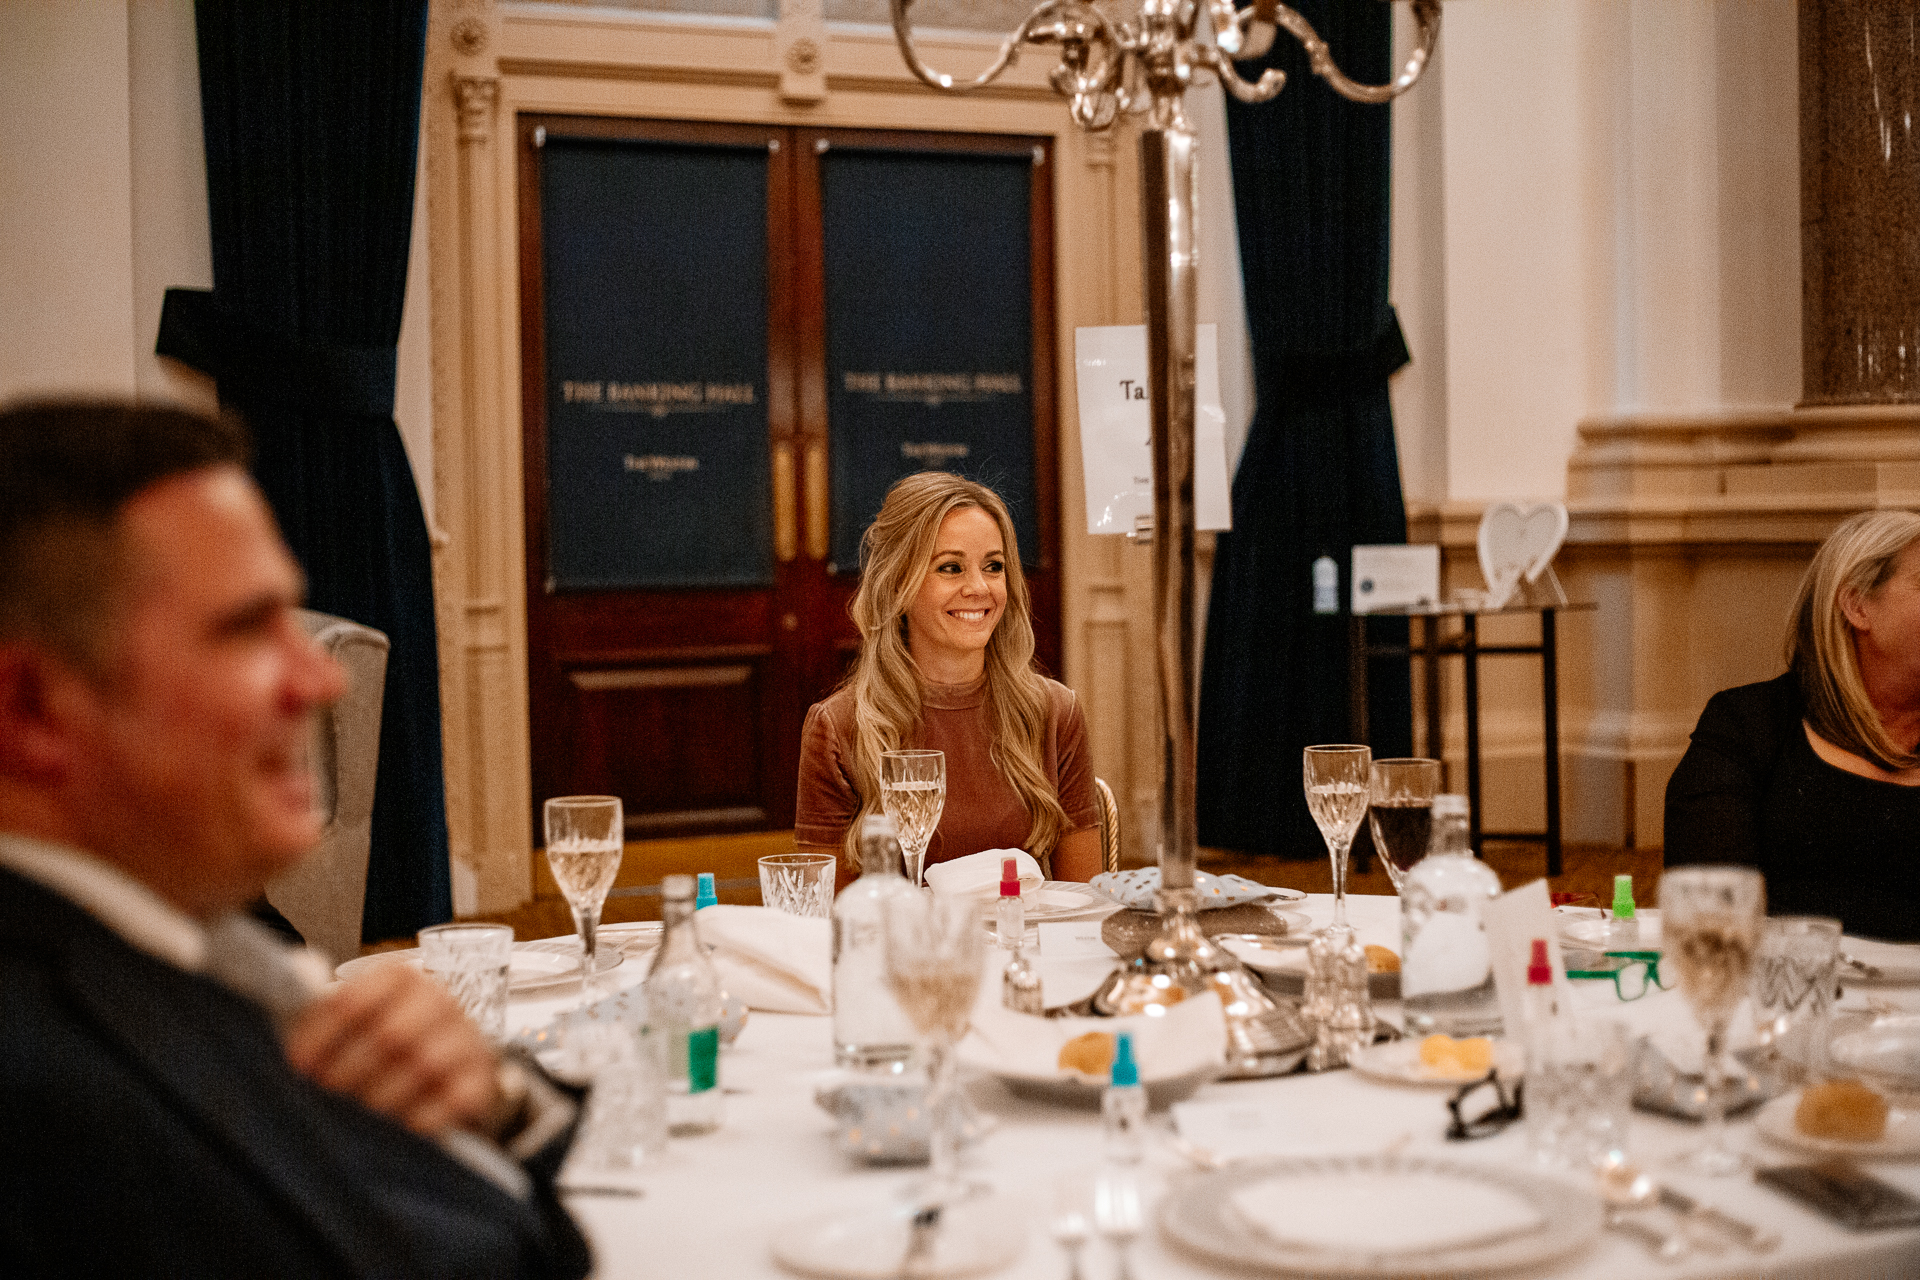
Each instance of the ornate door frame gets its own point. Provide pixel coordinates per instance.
(488, 62)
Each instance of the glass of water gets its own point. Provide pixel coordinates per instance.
(471, 961)
(913, 792)
(1794, 973)
(800, 884)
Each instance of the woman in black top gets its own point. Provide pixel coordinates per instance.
(1813, 777)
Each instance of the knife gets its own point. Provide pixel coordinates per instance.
(1758, 1239)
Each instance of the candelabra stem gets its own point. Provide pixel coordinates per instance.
(1166, 165)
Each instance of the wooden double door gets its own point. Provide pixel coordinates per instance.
(734, 338)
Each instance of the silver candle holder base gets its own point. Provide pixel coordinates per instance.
(1265, 1036)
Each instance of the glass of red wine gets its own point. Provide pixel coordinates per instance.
(1400, 809)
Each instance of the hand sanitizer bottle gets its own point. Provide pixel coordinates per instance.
(1123, 1107)
(1011, 914)
(1623, 929)
(1446, 966)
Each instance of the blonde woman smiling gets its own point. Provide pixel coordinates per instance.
(946, 662)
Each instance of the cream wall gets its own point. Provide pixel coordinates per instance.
(103, 207)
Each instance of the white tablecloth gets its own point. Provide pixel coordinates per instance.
(712, 1202)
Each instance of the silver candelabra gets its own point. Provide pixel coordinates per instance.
(1109, 70)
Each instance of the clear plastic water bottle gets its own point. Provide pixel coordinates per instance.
(869, 1030)
(683, 1009)
(1446, 965)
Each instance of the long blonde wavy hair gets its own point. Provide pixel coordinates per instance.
(896, 555)
(1854, 563)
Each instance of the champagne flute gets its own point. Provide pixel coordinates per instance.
(913, 791)
(1710, 921)
(1336, 784)
(1400, 795)
(935, 952)
(585, 837)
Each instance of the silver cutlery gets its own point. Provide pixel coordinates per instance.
(1756, 1238)
(926, 1222)
(1861, 967)
(1070, 1231)
(1117, 1212)
(1624, 1189)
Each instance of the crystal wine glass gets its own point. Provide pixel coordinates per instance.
(1336, 783)
(1400, 796)
(1710, 921)
(935, 951)
(585, 837)
(913, 791)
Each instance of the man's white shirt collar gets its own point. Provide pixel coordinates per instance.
(140, 916)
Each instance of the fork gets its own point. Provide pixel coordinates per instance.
(1116, 1210)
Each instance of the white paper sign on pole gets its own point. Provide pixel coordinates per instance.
(1116, 423)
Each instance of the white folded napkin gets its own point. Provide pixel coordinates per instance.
(1384, 1212)
(978, 874)
(1189, 1036)
(771, 960)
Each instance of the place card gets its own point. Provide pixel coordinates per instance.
(1116, 428)
(1513, 921)
(1073, 940)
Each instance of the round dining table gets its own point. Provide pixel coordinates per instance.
(711, 1204)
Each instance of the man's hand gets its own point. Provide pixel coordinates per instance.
(397, 1042)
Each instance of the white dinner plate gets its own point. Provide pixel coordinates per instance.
(533, 966)
(1285, 960)
(973, 1237)
(1398, 1062)
(1590, 931)
(1898, 963)
(1199, 1215)
(1901, 1141)
(1058, 901)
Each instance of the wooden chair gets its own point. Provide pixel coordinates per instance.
(1109, 826)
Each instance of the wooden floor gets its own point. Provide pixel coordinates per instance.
(734, 863)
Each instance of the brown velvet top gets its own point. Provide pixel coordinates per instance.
(983, 811)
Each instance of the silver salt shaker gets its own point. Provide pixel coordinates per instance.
(1337, 1004)
(1020, 985)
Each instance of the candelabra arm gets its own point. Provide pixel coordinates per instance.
(1068, 21)
(1271, 81)
(1426, 13)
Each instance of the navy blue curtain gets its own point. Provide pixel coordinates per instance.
(1320, 473)
(312, 110)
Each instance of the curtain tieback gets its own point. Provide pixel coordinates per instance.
(1349, 370)
(255, 365)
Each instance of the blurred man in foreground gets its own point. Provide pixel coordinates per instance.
(180, 1098)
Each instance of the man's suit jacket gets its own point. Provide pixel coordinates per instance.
(153, 1128)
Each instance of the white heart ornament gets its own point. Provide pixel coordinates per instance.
(1518, 542)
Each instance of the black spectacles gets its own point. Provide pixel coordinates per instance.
(1483, 1108)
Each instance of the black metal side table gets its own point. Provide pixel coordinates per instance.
(1433, 646)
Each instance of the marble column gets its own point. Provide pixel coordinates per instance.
(1860, 202)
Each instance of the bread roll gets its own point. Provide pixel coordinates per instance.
(1845, 1110)
(1090, 1054)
